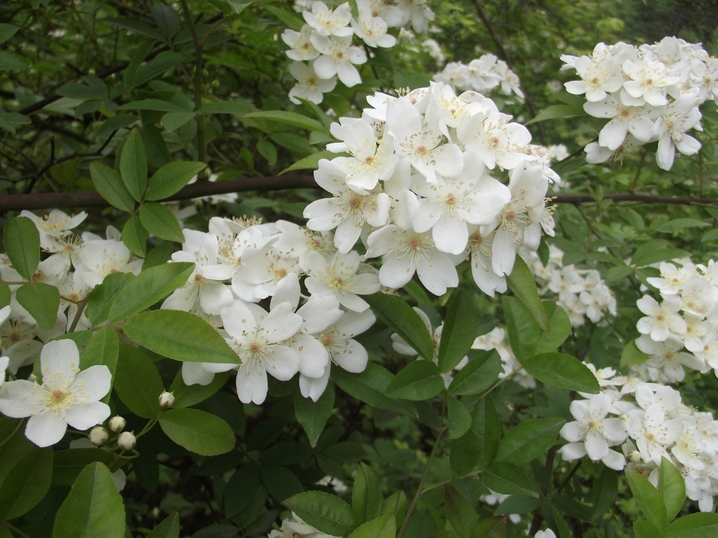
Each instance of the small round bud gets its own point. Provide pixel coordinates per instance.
(623, 417)
(99, 436)
(117, 423)
(634, 456)
(166, 399)
(91, 72)
(126, 441)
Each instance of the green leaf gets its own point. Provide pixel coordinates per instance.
(366, 495)
(521, 282)
(174, 120)
(198, 431)
(479, 374)
(80, 91)
(673, 487)
(280, 482)
(267, 150)
(313, 416)
(560, 329)
(659, 255)
(10, 62)
(171, 178)
(645, 529)
(41, 301)
(464, 453)
(557, 111)
(459, 418)
(563, 372)
(286, 17)
(163, 62)
(632, 356)
(529, 439)
(92, 508)
(68, 464)
(523, 331)
(460, 512)
(381, 527)
(493, 527)
(140, 53)
(22, 245)
(190, 395)
(167, 19)
(310, 162)
(288, 118)
(148, 288)
(402, 319)
(134, 236)
(517, 504)
(605, 493)
(507, 478)
(180, 336)
(459, 332)
(649, 499)
(7, 31)
(103, 348)
(693, 526)
(157, 105)
(110, 186)
(4, 295)
(160, 221)
(137, 382)
(327, 513)
(240, 107)
(133, 165)
(162, 253)
(25, 476)
(100, 300)
(369, 386)
(485, 424)
(679, 224)
(396, 505)
(169, 528)
(418, 380)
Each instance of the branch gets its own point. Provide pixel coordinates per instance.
(52, 200)
(578, 199)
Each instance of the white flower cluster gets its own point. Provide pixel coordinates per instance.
(686, 317)
(295, 527)
(240, 263)
(322, 50)
(582, 293)
(648, 93)
(484, 75)
(510, 365)
(417, 188)
(648, 422)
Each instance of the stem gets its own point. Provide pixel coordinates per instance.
(80, 309)
(638, 172)
(197, 82)
(419, 491)
(15, 530)
(12, 434)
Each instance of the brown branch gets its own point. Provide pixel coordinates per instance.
(632, 197)
(58, 200)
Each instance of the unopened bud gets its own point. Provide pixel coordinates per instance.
(623, 417)
(117, 423)
(166, 399)
(126, 441)
(99, 436)
(634, 456)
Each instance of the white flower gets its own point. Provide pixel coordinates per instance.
(661, 319)
(681, 115)
(638, 120)
(309, 86)
(339, 278)
(598, 78)
(66, 396)
(301, 46)
(338, 57)
(326, 22)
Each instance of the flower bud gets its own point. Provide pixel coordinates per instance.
(126, 441)
(117, 424)
(634, 456)
(99, 436)
(166, 399)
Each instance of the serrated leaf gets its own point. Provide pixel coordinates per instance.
(310, 162)
(509, 479)
(673, 487)
(649, 499)
(381, 527)
(174, 120)
(10, 62)
(563, 372)
(285, 16)
(110, 186)
(160, 222)
(280, 482)
(327, 513)
(418, 380)
(464, 454)
(133, 165)
(521, 282)
(102, 348)
(369, 386)
(523, 331)
(529, 439)
(163, 62)
(27, 480)
(313, 416)
(693, 526)
(169, 528)
(158, 105)
(7, 31)
(180, 336)
(42, 301)
(485, 424)
(402, 319)
(190, 395)
(100, 299)
(460, 512)
(148, 288)
(557, 111)
(68, 464)
(659, 255)
(632, 356)
(167, 19)
(459, 332)
(267, 150)
(240, 107)
(479, 374)
(22, 245)
(459, 418)
(92, 508)
(560, 329)
(366, 495)
(288, 118)
(169, 179)
(137, 382)
(134, 236)
(198, 431)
